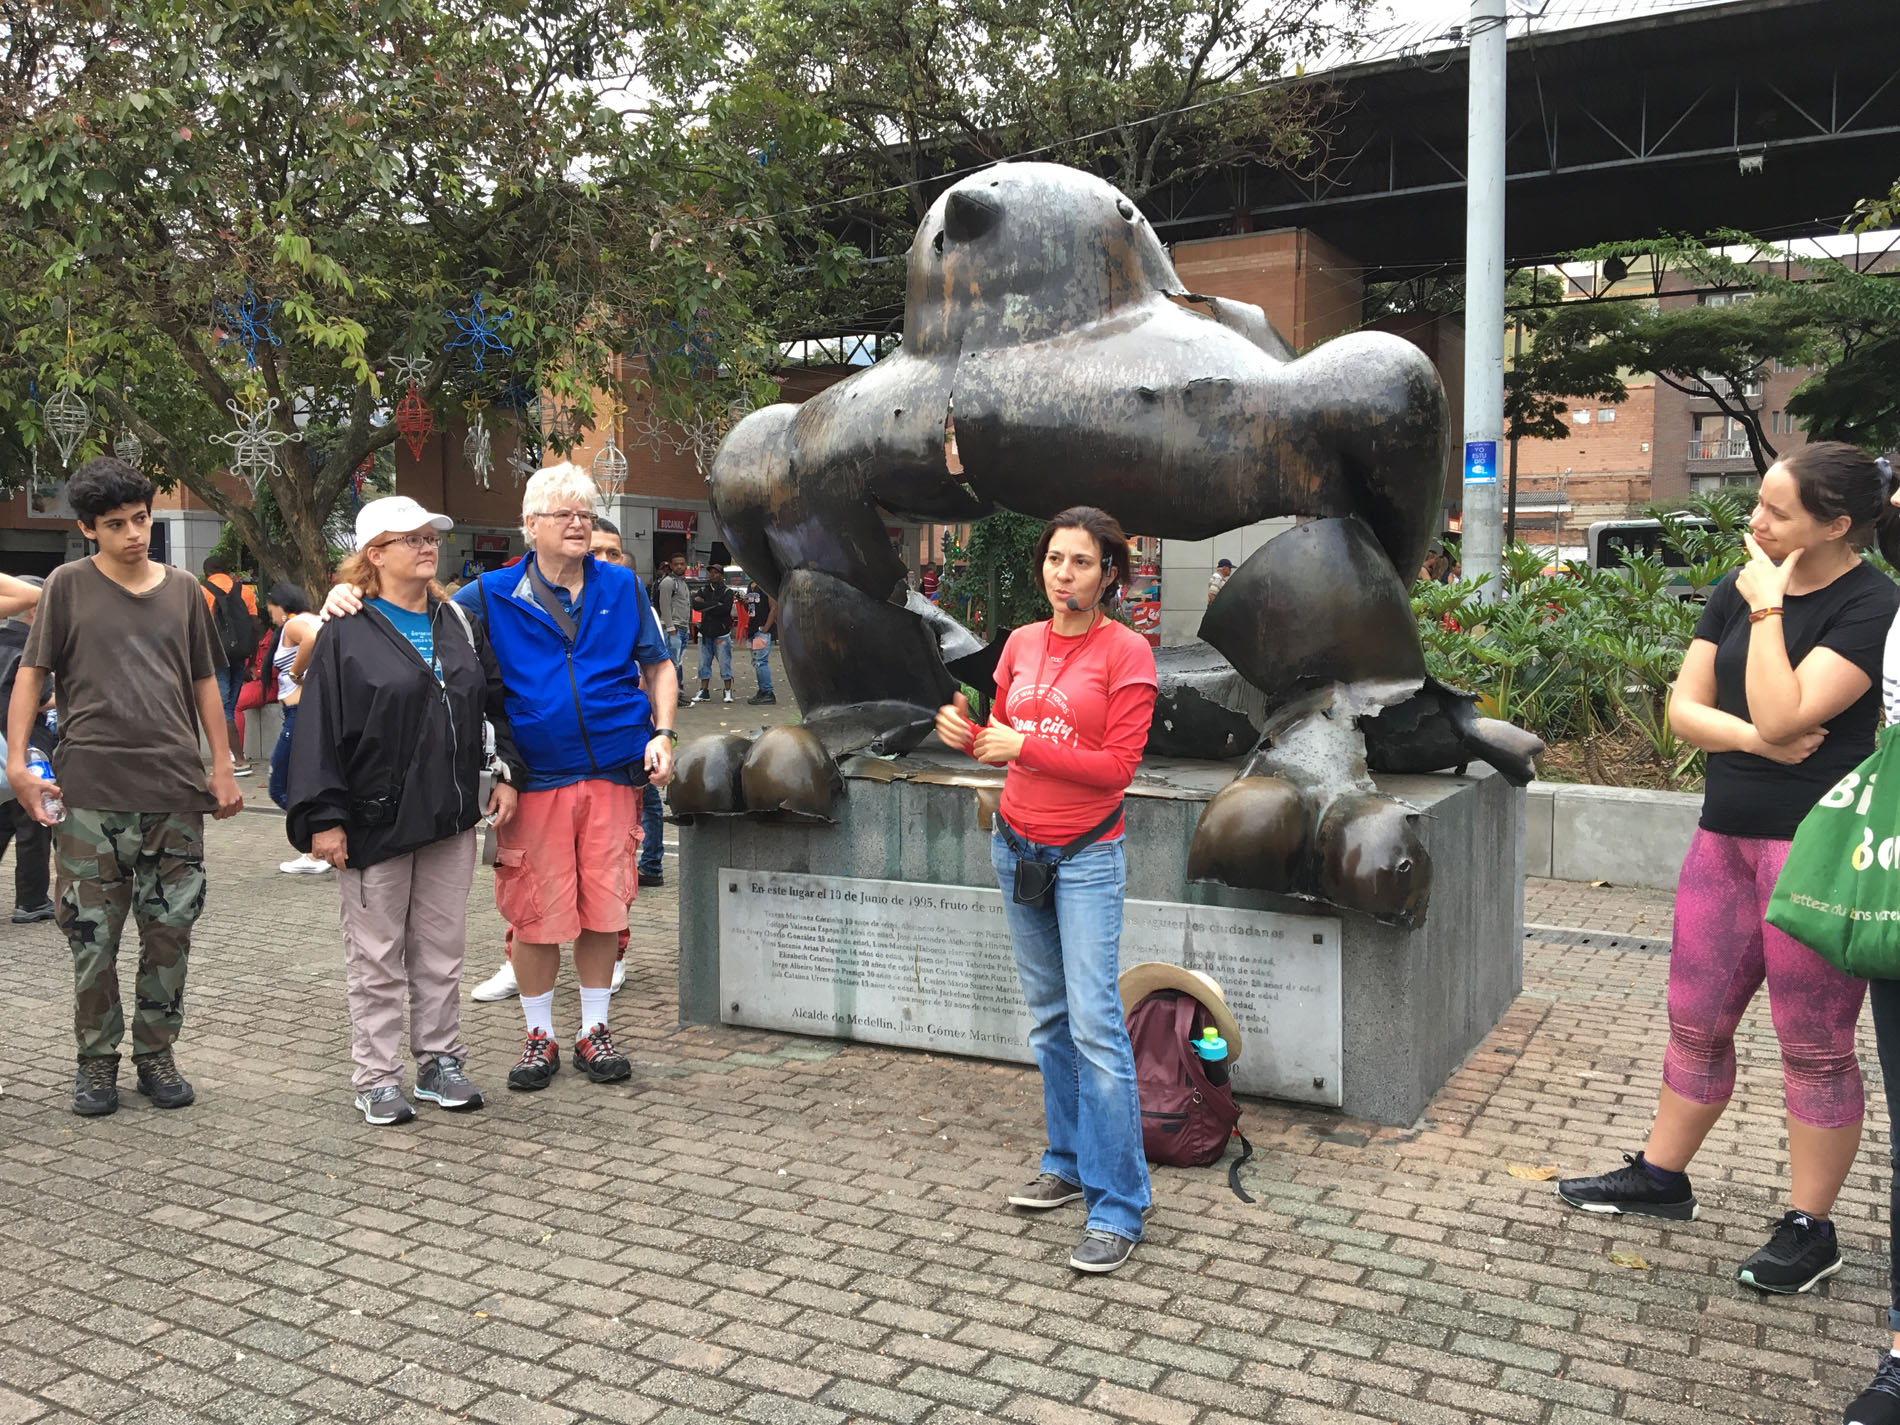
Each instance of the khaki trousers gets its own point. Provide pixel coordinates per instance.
(405, 932)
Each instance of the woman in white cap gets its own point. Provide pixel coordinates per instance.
(385, 768)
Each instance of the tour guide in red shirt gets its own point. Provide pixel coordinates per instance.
(1074, 697)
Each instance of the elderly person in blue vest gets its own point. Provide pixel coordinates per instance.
(591, 693)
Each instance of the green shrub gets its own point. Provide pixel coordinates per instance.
(1581, 654)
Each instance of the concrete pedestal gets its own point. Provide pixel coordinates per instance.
(1413, 1004)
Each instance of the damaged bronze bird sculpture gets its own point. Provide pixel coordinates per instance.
(1051, 357)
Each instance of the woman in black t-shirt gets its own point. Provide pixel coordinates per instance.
(1781, 688)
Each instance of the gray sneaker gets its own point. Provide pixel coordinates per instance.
(442, 1082)
(96, 1086)
(384, 1105)
(1100, 1251)
(1045, 1192)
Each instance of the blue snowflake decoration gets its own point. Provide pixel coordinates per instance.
(696, 345)
(478, 330)
(248, 324)
(514, 394)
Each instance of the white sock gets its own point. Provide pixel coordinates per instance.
(538, 1010)
(594, 1007)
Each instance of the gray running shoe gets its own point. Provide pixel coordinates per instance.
(1100, 1251)
(384, 1105)
(442, 1082)
(160, 1081)
(1045, 1192)
(96, 1086)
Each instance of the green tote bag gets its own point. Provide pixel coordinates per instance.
(1839, 891)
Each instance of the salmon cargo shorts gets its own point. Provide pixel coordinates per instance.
(568, 861)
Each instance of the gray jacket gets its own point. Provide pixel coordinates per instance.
(673, 602)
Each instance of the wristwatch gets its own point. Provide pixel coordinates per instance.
(666, 732)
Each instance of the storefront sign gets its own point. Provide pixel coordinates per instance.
(676, 521)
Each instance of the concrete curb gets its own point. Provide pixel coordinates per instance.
(1627, 837)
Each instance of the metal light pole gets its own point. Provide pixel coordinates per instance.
(1484, 294)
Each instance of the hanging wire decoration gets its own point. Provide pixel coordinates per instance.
(649, 428)
(524, 462)
(415, 420)
(610, 463)
(478, 445)
(254, 443)
(67, 418)
(127, 446)
(478, 331)
(248, 324)
(410, 370)
(705, 430)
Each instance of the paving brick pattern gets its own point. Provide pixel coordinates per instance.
(766, 1228)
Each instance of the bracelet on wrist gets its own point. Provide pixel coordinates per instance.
(666, 732)
(1759, 614)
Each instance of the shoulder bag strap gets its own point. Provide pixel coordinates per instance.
(545, 596)
(1094, 834)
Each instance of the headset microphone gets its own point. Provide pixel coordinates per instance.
(1076, 608)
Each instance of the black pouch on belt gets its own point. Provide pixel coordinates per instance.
(1036, 880)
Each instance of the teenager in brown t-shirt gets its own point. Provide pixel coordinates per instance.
(130, 646)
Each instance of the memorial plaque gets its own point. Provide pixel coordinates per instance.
(930, 967)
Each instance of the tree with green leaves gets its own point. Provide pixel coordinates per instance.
(1143, 92)
(1717, 352)
(228, 203)
(1555, 367)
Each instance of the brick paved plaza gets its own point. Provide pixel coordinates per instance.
(766, 1228)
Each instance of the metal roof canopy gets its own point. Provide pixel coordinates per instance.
(1616, 131)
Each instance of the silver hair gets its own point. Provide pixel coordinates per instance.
(555, 487)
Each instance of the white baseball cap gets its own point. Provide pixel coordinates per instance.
(395, 514)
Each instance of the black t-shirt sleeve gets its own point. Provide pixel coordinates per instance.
(1717, 612)
(1859, 632)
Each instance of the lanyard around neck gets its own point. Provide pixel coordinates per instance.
(1072, 659)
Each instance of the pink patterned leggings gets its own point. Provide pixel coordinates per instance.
(1721, 954)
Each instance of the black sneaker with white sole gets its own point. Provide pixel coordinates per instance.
(1632, 1188)
(1879, 1404)
(442, 1082)
(1100, 1251)
(1802, 1251)
(1045, 1192)
(384, 1105)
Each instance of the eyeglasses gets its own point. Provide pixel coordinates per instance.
(565, 516)
(418, 541)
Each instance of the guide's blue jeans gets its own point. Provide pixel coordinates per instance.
(1068, 959)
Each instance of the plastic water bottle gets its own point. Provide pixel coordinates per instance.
(1213, 1051)
(37, 764)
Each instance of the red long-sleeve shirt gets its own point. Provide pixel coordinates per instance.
(1083, 705)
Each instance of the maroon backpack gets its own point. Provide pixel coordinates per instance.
(1185, 1120)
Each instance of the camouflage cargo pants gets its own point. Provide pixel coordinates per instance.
(150, 864)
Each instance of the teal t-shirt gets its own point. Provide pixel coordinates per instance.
(414, 627)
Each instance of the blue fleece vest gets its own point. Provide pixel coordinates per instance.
(580, 715)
